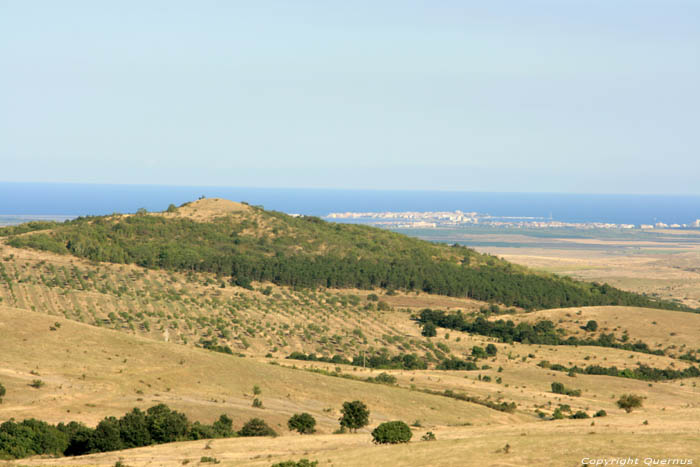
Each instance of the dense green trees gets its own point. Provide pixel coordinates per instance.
(379, 360)
(641, 372)
(392, 433)
(159, 424)
(355, 415)
(542, 332)
(304, 423)
(333, 255)
(256, 427)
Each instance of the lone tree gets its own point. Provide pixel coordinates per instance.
(591, 326)
(256, 427)
(429, 329)
(629, 402)
(392, 433)
(491, 350)
(355, 415)
(304, 423)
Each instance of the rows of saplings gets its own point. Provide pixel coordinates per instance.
(160, 424)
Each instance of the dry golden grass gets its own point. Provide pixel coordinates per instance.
(206, 209)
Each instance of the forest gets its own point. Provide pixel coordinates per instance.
(260, 245)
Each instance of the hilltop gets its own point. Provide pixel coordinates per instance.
(242, 244)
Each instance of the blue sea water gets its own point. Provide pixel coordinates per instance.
(64, 199)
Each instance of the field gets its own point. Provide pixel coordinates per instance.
(103, 338)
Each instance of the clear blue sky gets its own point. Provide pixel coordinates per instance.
(597, 96)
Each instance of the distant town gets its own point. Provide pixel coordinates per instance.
(437, 219)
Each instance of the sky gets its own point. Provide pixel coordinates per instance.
(578, 96)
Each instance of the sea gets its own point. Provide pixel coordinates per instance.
(20, 202)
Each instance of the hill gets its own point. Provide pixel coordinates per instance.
(90, 373)
(242, 244)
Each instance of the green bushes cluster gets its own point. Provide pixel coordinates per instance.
(392, 433)
(641, 372)
(559, 388)
(157, 425)
(542, 332)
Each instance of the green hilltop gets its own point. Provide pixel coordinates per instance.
(245, 243)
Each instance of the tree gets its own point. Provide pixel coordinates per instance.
(355, 415)
(429, 329)
(107, 436)
(256, 427)
(223, 427)
(591, 326)
(629, 402)
(2, 392)
(392, 433)
(491, 350)
(133, 429)
(304, 423)
(165, 425)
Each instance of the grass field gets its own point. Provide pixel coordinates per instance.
(105, 338)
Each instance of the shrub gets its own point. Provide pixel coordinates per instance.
(429, 436)
(303, 423)
(491, 350)
(257, 403)
(591, 326)
(37, 384)
(300, 463)
(429, 330)
(2, 392)
(392, 433)
(256, 390)
(383, 378)
(629, 402)
(372, 297)
(256, 427)
(600, 413)
(355, 415)
(580, 414)
(207, 459)
(559, 388)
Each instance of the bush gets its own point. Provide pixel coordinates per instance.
(429, 330)
(491, 350)
(629, 402)
(301, 463)
(256, 427)
(355, 415)
(2, 392)
(257, 403)
(211, 460)
(580, 414)
(303, 423)
(591, 326)
(600, 413)
(37, 384)
(392, 433)
(559, 388)
(429, 436)
(383, 378)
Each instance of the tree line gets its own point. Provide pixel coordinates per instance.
(265, 246)
(157, 425)
(542, 332)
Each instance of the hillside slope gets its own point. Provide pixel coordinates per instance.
(243, 243)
